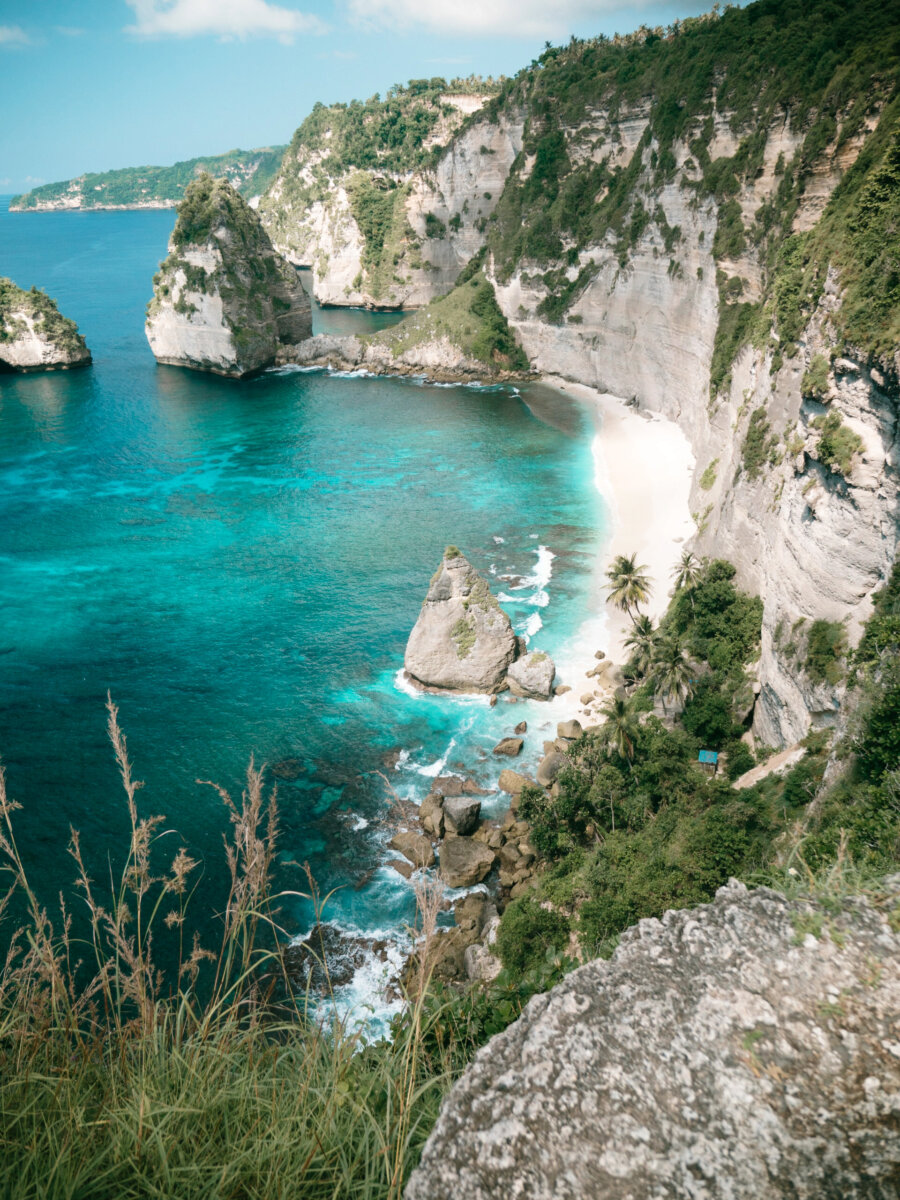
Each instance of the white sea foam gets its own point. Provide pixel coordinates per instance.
(538, 580)
(499, 540)
(402, 684)
(531, 626)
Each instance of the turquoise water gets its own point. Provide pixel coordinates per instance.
(240, 563)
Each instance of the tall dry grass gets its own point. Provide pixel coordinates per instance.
(120, 1080)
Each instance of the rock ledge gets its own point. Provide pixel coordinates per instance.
(747, 1049)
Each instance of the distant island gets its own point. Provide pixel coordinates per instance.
(249, 171)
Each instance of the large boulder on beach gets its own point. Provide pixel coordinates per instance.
(745, 1049)
(224, 300)
(463, 640)
(464, 861)
(532, 675)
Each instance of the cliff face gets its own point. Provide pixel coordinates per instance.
(701, 221)
(388, 201)
(34, 336)
(223, 300)
(812, 540)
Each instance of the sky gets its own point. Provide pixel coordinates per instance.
(88, 85)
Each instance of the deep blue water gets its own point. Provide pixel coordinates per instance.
(240, 563)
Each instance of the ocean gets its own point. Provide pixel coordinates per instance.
(239, 564)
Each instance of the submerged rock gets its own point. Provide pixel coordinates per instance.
(223, 300)
(746, 1048)
(532, 675)
(34, 335)
(329, 957)
(463, 640)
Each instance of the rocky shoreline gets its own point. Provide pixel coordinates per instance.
(436, 362)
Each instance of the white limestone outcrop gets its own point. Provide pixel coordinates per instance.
(223, 300)
(34, 336)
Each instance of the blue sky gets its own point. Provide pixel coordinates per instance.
(86, 85)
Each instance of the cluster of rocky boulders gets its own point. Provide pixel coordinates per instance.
(463, 641)
(449, 832)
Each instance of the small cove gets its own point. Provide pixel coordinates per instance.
(240, 563)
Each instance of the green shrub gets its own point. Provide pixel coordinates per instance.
(757, 443)
(815, 380)
(707, 714)
(528, 933)
(837, 444)
(826, 648)
(708, 478)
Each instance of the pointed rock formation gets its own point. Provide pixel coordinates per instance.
(463, 640)
(223, 300)
(34, 335)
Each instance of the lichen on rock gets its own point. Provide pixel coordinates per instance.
(463, 640)
(223, 300)
(746, 1048)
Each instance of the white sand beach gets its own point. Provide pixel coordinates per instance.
(644, 467)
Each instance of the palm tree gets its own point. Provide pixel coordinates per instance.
(621, 726)
(687, 572)
(671, 672)
(629, 584)
(641, 642)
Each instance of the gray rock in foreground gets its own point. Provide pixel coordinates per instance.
(723, 1053)
(462, 640)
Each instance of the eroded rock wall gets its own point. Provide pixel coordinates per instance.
(810, 541)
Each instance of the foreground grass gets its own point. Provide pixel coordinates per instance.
(116, 1082)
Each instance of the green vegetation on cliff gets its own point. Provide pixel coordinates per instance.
(57, 329)
(469, 318)
(826, 71)
(250, 171)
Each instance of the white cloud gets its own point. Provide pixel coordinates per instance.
(510, 18)
(223, 18)
(13, 35)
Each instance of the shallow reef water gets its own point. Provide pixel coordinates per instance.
(240, 563)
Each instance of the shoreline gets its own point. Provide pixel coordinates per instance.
(643, 471)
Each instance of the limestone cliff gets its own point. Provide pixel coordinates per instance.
(746, 1048)
(387, 201)
(223, 300)
(703, 223)
(34, 335)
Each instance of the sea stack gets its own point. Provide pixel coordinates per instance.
(34, 335)
(463, 640)
(223, 300)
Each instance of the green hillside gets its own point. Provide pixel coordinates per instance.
(249, 171)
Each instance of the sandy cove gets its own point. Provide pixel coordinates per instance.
(643, 470)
